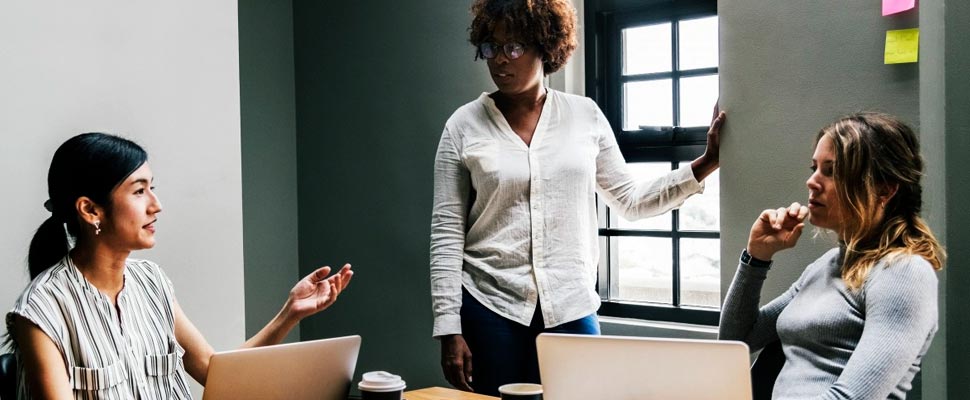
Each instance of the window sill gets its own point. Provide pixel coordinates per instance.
(637, 327)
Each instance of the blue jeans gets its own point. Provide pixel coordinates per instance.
(504, 351)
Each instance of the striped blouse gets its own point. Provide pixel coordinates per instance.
(130, 353)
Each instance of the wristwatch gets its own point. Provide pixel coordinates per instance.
(754, 262)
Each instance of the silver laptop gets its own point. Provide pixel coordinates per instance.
(584, 367)
(318, 370)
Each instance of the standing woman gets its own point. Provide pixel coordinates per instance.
(858, 321)
(513, 230)
(94, 324)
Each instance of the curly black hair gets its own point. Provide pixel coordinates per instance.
(550, 25)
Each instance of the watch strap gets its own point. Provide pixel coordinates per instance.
(747, 258)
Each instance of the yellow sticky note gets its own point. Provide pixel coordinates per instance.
(902, 46)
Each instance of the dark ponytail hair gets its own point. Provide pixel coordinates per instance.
(87, 165)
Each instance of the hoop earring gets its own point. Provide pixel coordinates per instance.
(97, 228)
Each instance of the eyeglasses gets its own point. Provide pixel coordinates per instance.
(512, 50)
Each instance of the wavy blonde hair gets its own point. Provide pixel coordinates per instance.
(873, 153)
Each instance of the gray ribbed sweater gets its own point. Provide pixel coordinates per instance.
(838, 343)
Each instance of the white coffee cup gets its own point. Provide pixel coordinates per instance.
(381, 385)
(521, 391)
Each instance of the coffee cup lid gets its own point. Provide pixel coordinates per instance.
(520, 389)
(381, 381)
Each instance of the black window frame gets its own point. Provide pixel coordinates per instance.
(604, 83)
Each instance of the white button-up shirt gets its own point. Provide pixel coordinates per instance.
(516, 224)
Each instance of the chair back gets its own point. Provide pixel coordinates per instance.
(765, 370)
(8, 377)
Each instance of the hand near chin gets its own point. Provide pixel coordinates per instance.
(776, 230)
(317, 291)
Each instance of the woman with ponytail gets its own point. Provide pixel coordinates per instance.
(858, 321)
(95, 324)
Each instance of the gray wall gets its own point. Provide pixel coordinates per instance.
(162, 73)
(787, 72)
(268, 108)
(932, 130)
(958, 191)
(376, 81)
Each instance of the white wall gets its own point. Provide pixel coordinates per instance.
(162, 73)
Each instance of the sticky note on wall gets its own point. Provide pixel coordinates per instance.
(896, 6)
(902, 46)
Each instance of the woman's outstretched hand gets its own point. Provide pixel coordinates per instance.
(776, 230)
(711, 159)
(312, 294)
(316, 292)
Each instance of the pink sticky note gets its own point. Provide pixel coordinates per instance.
(896, 6)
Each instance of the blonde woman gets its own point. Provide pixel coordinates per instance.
(858, 321)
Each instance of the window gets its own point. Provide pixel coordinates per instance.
(655, 77)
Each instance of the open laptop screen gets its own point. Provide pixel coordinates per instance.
(583, 367)
(318, 370)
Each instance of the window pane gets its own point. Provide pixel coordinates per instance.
(648, 103)
(697, 97)
(647, 171)
(702, 212)
(647, 49)
(698, 43)
(645, 270)
(700, 272)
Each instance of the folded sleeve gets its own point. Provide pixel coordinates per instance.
(631, 198)
(449, 216)
(742, 318)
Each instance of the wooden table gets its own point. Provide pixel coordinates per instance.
(440, 393)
